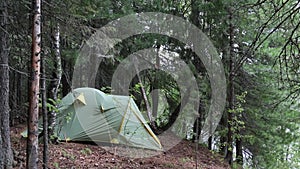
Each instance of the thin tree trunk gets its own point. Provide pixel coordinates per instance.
(223, 138)
(229, 150)
(155, 87)
(197, 124)
(6, 156)
(44, 112)
(33, 113)
(239, 151)
(210, 142)
(144, 94)
(13, 97)
(65, 77)
(19, 95)
(56, 75)
(196, 129)
(195, 13)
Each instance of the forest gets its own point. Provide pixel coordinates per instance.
(221, 75)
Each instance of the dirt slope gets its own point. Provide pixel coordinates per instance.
(78, 155)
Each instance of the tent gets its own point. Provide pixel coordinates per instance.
(87, 114)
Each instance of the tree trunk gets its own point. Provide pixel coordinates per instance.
(44, 112)
(229, 150)
(33, 113)
(144, 94)
(56, 75)
(239, 151)
(6, 156)
(210, 143)
(155, 87)
(197, 124)
(66, 77)
(223, 138)
(20, 97)
(194, 17)
(196, 130)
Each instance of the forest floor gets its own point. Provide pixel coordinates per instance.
(177, 154)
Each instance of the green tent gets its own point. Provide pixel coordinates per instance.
(87, 114)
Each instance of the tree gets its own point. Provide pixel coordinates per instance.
(272, 80)
(44, 111)
(19, 57)
(6, 156)
(231, 90)
(56, 75)
(33, 113)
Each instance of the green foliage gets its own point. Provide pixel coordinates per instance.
(237, 124)
(56, 165)
(186, 159)
(68, 117)
(68, 155)
(86, 151)
(106, 89)
(268, 130)
(51, 104)
(236, 166)
(169, 165)
(162, 118)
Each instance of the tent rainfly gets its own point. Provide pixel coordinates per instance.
(87, 114)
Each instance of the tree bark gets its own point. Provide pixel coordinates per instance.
(66, 77)
(155, 87)
(144, 94)
(194, 17)
(56, 75)
(223, 137)
(239, 151)
(44, 112)
(6, 156)
(33, 113)
(197, 127)
(229, 150)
